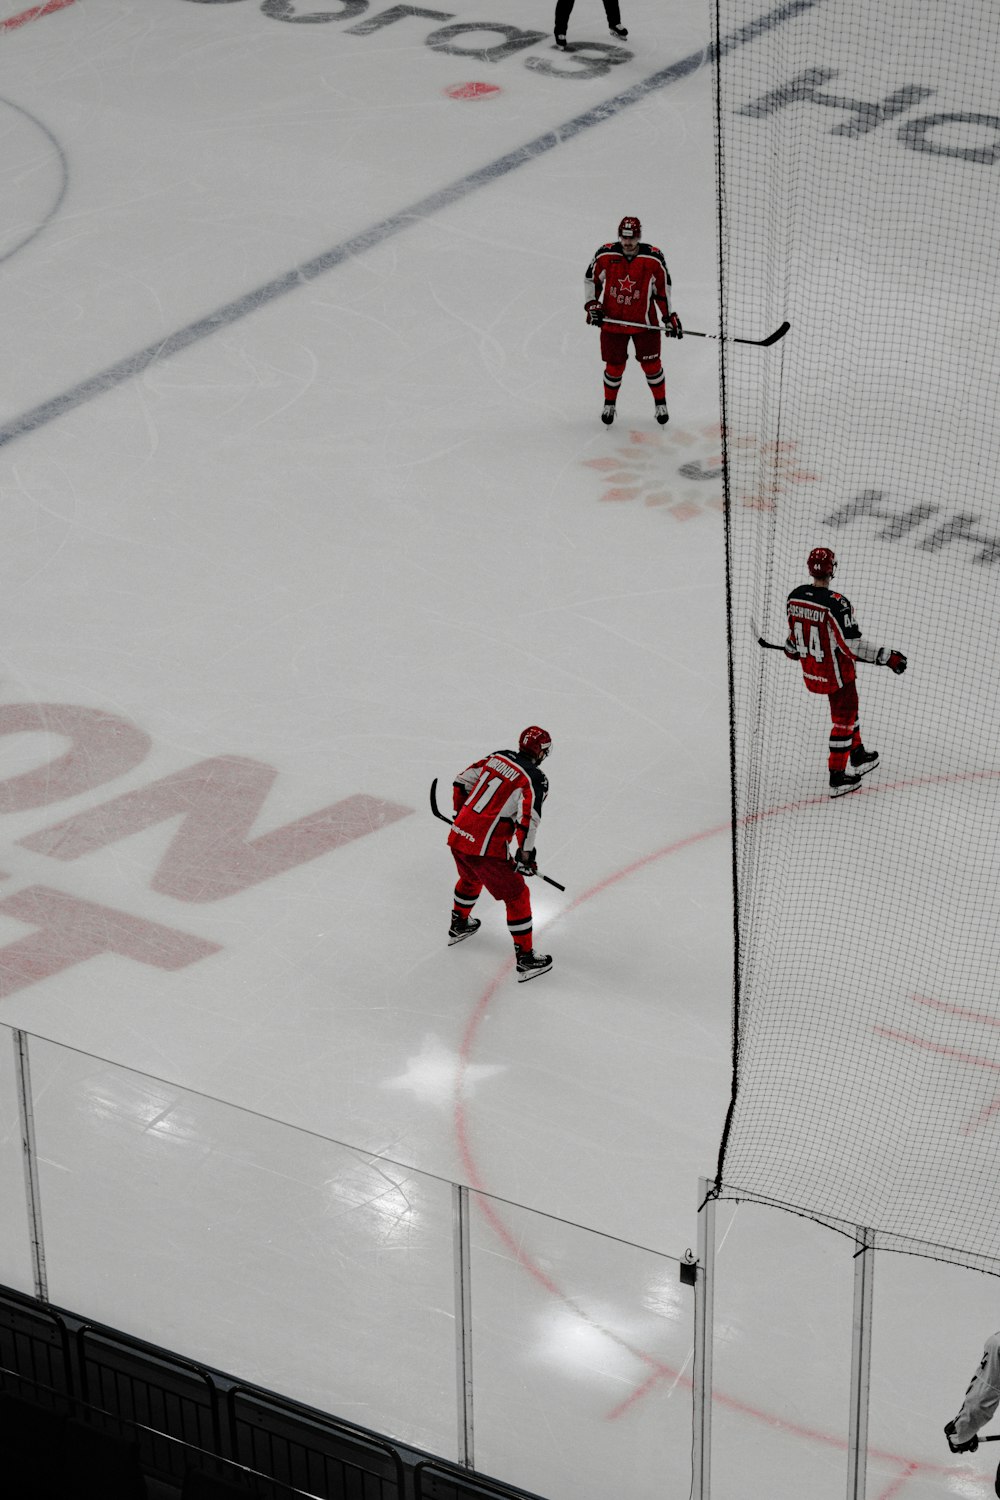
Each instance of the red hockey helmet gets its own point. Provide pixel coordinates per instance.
(821, 562)
(630, 228)
(537, 742)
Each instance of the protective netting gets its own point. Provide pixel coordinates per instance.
(859, 177)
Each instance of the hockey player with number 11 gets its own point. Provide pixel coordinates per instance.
(498, 799)
(825, 638)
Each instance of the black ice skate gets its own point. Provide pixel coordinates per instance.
(619, 32)
(531, 964)
(561, 41)
(863, 760)
(662, 415)
(461, 928)
(608, 414)
(842, 782)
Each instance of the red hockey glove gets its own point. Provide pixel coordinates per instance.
(673, 328)
(969, 1447)
(896, 663)
(595, 313)
(525, 862)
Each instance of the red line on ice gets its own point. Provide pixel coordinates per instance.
(658, 1370)
(957, 1010)
(919, 1041)
(34, 14)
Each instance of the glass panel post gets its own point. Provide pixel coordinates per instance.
(463, 1323)
(704, 1298)
(27, 1113)
(861, 1351)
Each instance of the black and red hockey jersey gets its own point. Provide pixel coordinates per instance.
(497, 799)
(630, 290)
(823, 636)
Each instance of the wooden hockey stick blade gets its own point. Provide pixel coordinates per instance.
(779, 333)
(434, 803)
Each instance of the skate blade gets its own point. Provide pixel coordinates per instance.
(844, 791)
(533, 974)
(460, 937)
(863, 770)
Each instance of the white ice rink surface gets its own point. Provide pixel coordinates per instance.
(362, 527)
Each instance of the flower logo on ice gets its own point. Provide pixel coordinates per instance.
(680, 472)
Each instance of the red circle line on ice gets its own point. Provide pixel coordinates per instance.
(658, 1371)
(472, 90)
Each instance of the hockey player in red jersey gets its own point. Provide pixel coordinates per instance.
(498, 799)
(825, 638)
(628, 282)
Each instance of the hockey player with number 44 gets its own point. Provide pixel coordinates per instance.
(499, 799)
(825, 638)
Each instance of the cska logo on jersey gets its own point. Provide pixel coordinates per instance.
(627, 290)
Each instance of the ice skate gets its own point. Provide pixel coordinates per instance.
(863, 760)
(461, 928)
(662, 415)
(561, 41)
(620, 32)
(531, 964)
(842, 782)
(608, 414)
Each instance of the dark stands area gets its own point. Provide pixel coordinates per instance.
(89, 1413)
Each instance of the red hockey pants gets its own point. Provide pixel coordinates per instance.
(845, 735)
(503, 883)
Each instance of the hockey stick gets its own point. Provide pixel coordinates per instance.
(691, 333)
(773, 646)
(768, 645)
(439, 814)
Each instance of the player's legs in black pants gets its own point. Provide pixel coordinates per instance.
(563, 8)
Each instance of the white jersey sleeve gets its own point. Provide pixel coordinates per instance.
(863, 650)
(983, 1395)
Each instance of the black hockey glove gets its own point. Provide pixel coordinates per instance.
(595, 313)
(525, 862)
(896, 663)
(969, 1447)
(673, 329)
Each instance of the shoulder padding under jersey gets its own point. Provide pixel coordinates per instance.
(838, 605)
(533, 771)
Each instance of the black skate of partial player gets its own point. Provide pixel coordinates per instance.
(531, 964)
(462, 928)
(842, 782)
(863, 760)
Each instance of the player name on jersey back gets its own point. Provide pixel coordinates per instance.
(504, 767)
